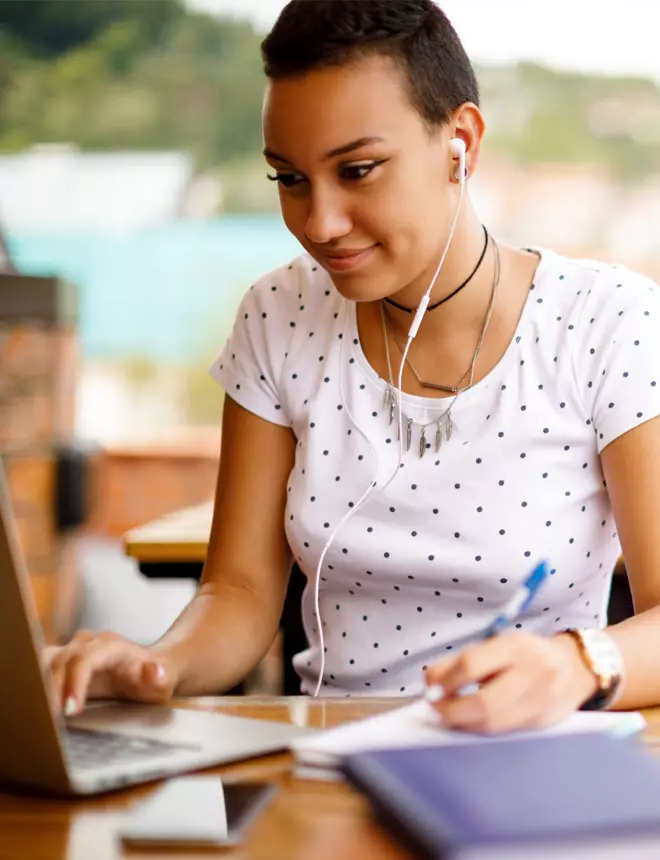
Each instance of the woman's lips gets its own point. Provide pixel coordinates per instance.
(343, 261)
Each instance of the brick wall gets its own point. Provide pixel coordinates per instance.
(30, 484)
(131, 486)
(37, 394)
(37, 385)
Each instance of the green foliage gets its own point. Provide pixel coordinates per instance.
(544, 115)
(49, 28)
(137, 81)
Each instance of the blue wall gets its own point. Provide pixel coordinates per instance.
(165, 294)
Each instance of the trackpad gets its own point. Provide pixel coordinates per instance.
(186, 726)
(171, 725)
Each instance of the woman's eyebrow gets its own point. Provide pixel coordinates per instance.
(340, 150)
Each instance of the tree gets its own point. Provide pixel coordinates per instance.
(48, 28)
(199, 88)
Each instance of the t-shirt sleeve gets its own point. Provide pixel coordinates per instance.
(250, 366)
(617, 359)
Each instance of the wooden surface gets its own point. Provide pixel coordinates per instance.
(178, 537)
(305, 821)
(323, 821)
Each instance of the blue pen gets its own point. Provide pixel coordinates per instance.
(519, 602)
(510, 613)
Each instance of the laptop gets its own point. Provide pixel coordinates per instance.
(109, 745)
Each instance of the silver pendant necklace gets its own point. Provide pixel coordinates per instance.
(436, 386)
(444, 425)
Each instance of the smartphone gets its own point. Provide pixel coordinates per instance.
(196, 811)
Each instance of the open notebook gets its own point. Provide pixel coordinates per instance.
(418, 725)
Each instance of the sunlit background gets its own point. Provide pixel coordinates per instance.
(130, 165)
(130, 169)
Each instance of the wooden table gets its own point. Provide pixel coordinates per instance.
(305, 821)
(324, 821)
(179, 537)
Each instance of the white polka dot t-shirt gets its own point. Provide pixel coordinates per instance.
(431, 559)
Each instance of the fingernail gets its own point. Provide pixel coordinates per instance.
(160, 672)
(469, 689)
(70, 707)
(434, 693)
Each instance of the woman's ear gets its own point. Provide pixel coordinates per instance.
(468, 126)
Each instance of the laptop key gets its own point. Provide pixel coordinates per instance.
(91, 749)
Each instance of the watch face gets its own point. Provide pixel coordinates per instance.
(604, 655)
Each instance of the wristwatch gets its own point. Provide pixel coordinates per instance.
(603, 658)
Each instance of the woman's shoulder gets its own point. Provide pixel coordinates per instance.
(276, 315)
(586, 276)
(292, 292)
(596, 290)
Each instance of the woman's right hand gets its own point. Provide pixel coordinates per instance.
(105, 665)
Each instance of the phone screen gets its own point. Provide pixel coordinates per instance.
(197, 810)
(241, 801)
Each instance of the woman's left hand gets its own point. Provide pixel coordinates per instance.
(525, 682)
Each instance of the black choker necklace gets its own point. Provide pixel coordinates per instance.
(457, 290)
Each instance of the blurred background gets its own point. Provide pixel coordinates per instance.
(134, 213)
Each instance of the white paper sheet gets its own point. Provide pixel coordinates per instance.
(419, 725)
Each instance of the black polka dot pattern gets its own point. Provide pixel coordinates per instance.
(432, 557)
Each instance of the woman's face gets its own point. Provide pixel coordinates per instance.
(364, 185)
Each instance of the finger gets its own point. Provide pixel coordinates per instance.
(104, 654)
(56, 671)
(56, 659)
(434, 690)
(141, 677)
(133, 674)
(53, 684)
(475, 664)
(156, 681)
(48, 654)
(54, 675)
(507, 701)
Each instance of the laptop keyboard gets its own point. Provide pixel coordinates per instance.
(91, 749)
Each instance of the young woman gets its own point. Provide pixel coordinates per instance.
(528, 416)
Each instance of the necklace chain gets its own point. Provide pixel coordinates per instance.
(450, 389)
(444, 419)
(458, 288)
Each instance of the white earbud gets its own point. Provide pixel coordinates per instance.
(457, 148)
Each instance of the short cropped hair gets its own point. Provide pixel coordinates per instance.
(416, 34)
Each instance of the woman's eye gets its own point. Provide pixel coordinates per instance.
(355, 172)
(287, 180)
(347, 173)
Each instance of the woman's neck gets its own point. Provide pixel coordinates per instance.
(464, 311)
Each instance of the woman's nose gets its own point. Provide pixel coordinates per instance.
(327, 219)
